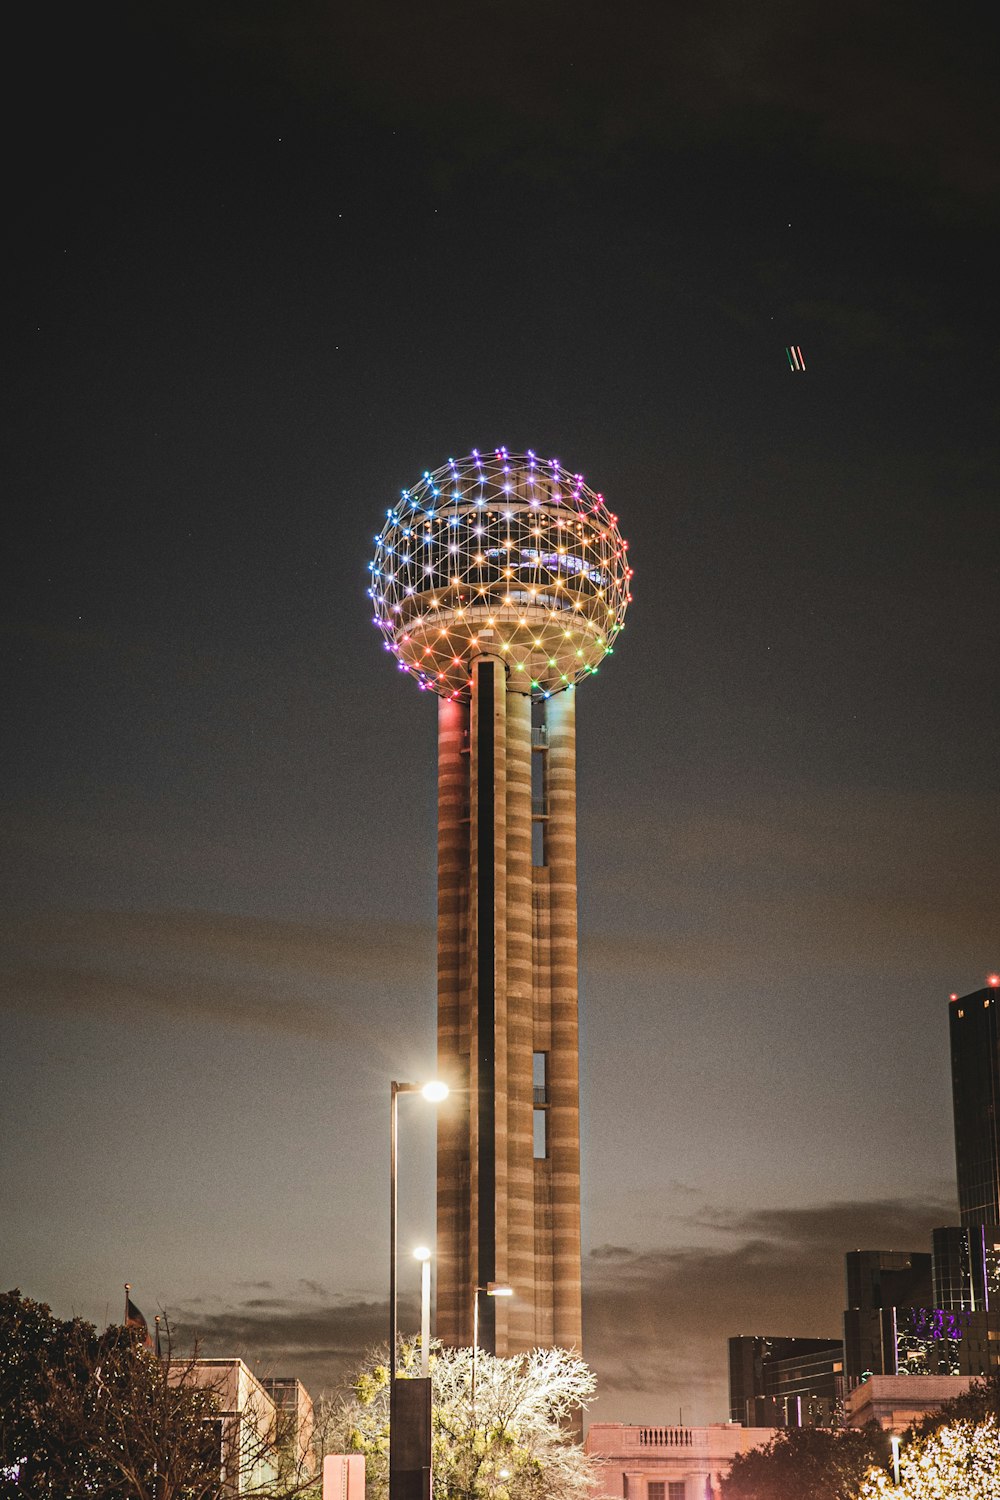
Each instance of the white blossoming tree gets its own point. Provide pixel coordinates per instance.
(958, 1462)
(514, 1443)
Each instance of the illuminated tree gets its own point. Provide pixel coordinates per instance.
(958, 1462)
(513, 1444)
(981, 1400)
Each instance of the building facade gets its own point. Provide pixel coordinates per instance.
(924, 1315)
(668, 1463)
(785, 1382)
(966, 1267)
(975, 1080)
(500, 582)
(895, 1402)
(264, 1427)
(879, 1282)
(296, 1418)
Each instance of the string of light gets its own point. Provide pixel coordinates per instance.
(506, 555)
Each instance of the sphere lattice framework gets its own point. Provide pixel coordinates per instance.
(505, 555)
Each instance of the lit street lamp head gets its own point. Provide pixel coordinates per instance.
(506, 555)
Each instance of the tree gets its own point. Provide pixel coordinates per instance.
(98, 1415)
(981, 1400)
(514, 1443)
(807, 1463)
(957, 1462)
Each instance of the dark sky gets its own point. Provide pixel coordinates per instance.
(265, 264)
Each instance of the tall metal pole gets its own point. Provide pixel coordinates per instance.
(393, 1117)
(475, 1345)
(434, 1093)
(425, 1318)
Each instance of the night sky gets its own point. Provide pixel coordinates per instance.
(266, 263)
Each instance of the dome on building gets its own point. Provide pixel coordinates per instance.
(505, 555)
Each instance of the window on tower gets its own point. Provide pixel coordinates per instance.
(540, 1096)
(540, 1144)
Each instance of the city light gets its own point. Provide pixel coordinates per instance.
(528, 552)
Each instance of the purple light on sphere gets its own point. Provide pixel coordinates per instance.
(522, 565)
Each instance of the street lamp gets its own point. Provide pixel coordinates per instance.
(422, 1254)
(492, 1289)
(434, 1093)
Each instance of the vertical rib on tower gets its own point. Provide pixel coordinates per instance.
(454, 1270)
(564, 1107)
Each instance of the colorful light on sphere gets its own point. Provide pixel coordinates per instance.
(506, 555)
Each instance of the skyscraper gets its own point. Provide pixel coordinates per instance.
(917, 1314)
(785, 1382)
(499, 582)
(879, 1282)
(965, 1263)
(975, 1081)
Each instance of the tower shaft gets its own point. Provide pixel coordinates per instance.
(509, 1141)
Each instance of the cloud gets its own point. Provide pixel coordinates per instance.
(844, 1225)
(286, 977)
(656, 1322)
(775, 884)
(322, 1342)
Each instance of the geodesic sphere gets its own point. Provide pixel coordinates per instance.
(504, 555)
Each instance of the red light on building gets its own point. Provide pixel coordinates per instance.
(993, 980)
(952, 997)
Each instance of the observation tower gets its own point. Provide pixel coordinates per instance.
(499, 582)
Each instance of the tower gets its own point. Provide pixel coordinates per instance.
(975, 1079)
(499, 582)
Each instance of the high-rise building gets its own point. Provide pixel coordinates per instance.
(975, 1081)
(915, 1314)
(966, 1267)
(879, 1281)
(785, 1382)
(888, 1278)
(499, 582)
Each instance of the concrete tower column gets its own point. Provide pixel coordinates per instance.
(563, 1124)
(454, 1271)
(520, 1309)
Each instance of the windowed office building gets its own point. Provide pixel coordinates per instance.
(785, 1382)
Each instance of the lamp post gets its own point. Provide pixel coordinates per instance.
(434, 1092)
(409, 1420)
(492, 1289)
(424, 1256)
